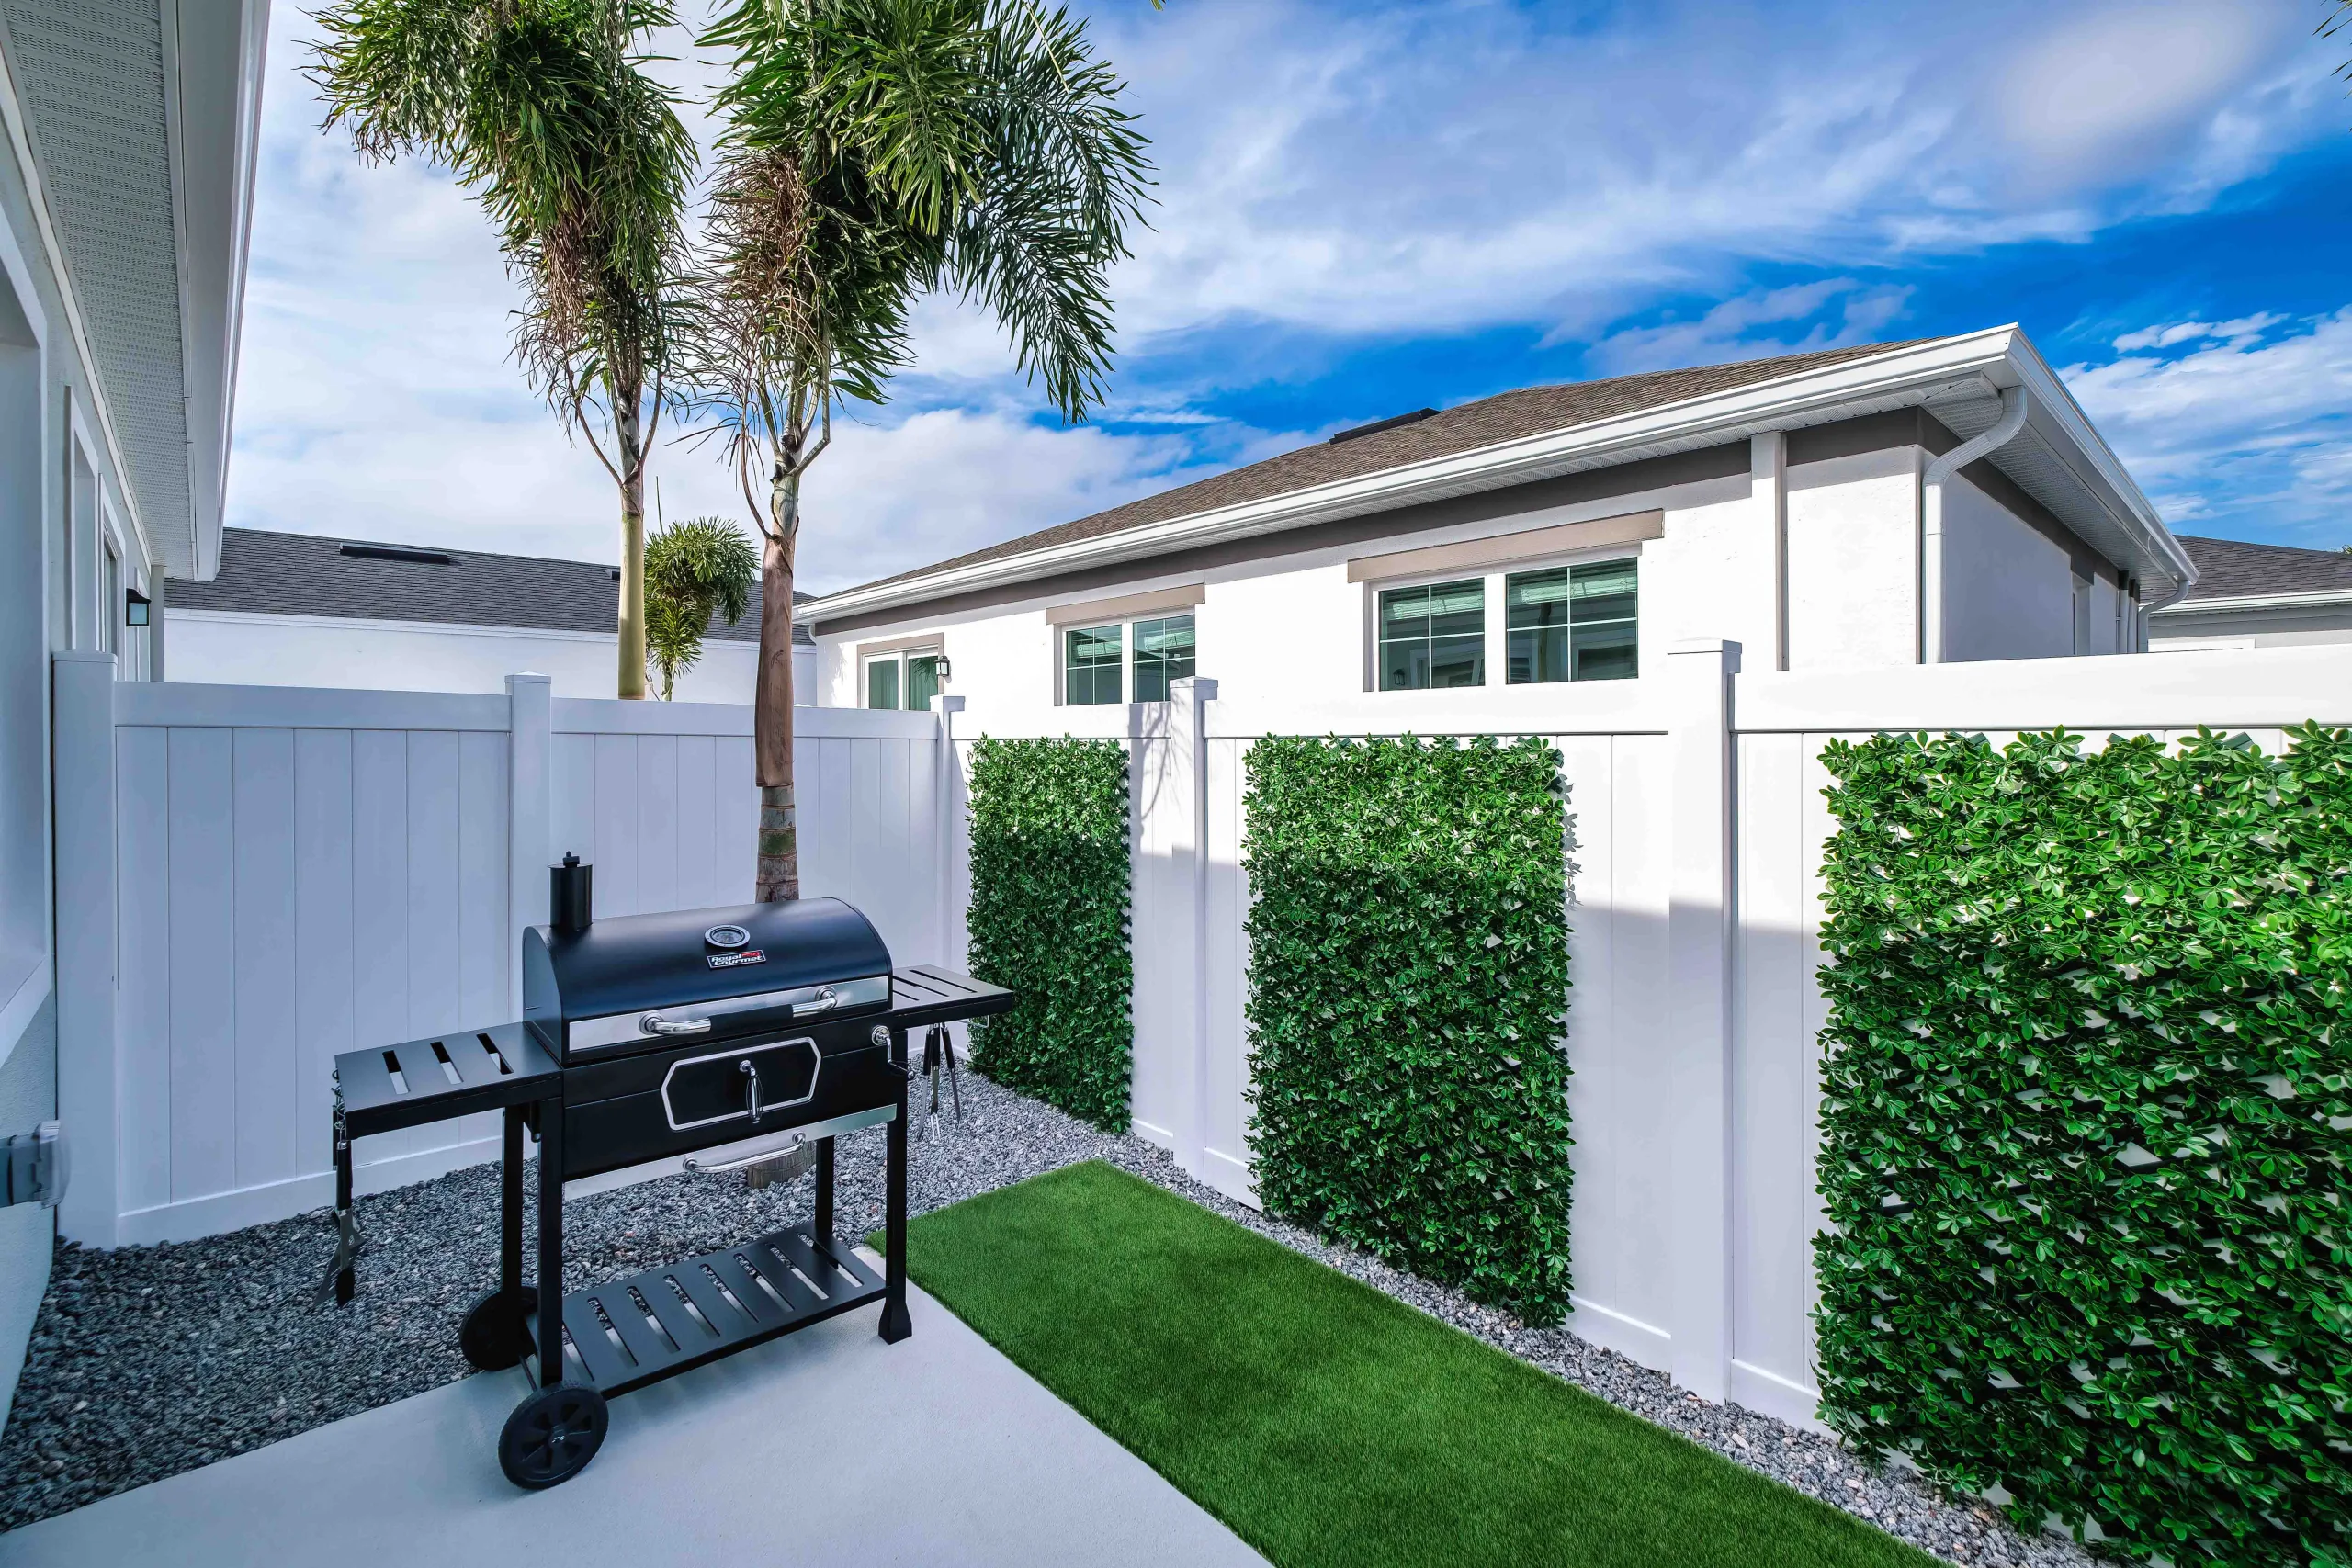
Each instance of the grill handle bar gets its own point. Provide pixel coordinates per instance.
(654, 1024)
(735, 1157)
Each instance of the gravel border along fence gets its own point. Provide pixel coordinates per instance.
(147, 1361)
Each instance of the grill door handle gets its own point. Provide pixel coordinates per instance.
(824, 1000)
(751, 1089)
(654, 1024)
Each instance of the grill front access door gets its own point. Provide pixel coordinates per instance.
(746, 1085)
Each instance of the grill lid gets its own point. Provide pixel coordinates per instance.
(633, 961)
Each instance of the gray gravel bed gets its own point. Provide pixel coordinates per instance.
(147, 1361)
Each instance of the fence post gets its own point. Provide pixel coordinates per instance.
(530, 718)
(1698, 934)
(951, 824)
(1187, 804)
(88, 1097)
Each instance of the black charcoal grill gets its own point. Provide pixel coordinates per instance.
(732, 1036)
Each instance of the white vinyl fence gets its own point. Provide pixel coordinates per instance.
(276, 876)
(286, 873)
(1696, 827)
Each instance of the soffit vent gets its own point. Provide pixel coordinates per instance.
(92, 76)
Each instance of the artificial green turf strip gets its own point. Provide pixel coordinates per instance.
(1326, 1422)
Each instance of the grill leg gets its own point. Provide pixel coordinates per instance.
(510, 1206)
(824, 1226)
(895, 1324)
(550, 1242)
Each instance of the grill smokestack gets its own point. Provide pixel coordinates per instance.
(570, 895)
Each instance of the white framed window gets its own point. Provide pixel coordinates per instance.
(1572, 619)
(1432, 635)
(901, 678)
(1165, 649)
(1119, 661)
(1572, 623)
(1092, 660)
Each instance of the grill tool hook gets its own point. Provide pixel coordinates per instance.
(341, 1282)
(937, 1048)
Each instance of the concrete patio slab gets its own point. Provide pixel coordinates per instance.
(827, 1445)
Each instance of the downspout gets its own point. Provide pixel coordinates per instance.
(2014, 406)
(2143, 625)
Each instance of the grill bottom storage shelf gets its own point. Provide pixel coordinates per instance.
(632, 1332)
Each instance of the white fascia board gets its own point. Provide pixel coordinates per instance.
(2319, 601)
(1981, 361)
(212, 110)
(12, 112)
(2082, 448)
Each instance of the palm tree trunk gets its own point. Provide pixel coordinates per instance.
(779, 872)
(632, 610)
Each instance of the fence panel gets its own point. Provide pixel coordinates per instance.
(302, 872)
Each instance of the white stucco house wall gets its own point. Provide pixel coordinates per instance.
(1938, 501)
(302, 610)
(126, 189)
(2258, 596)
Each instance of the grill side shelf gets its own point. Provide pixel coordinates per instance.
(925, 993)
(676, 1339)
(441, 1076)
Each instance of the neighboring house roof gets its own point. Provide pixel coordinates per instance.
(1531, 410)
(1541, 433)
(2232, 571)
(306, 574)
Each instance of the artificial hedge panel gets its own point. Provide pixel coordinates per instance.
(1049, 921)
(1409, 990)
(2086, 1109)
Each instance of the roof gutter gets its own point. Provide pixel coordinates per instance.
(2015, 406)
(2322, 599)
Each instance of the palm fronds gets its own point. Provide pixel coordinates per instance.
(696, 568)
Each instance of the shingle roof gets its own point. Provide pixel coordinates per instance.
(1507, 416)
(2232, 568)
(305, 575)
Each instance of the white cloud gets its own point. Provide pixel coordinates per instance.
(1475, 162)
(2118, 83)
(2244, 329)
(1839, 310)
(2251, 424)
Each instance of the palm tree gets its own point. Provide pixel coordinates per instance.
(542, 108)
(694, 569)
(872, 151)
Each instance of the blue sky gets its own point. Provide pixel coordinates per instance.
(1365, 209)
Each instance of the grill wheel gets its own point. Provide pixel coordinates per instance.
(493, 1336)
(552, 1436)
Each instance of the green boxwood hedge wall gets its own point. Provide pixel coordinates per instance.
(1050, 877)
(1409, 990)
(2086, 1109)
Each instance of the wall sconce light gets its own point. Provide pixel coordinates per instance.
(134, 607)
(942, 666)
